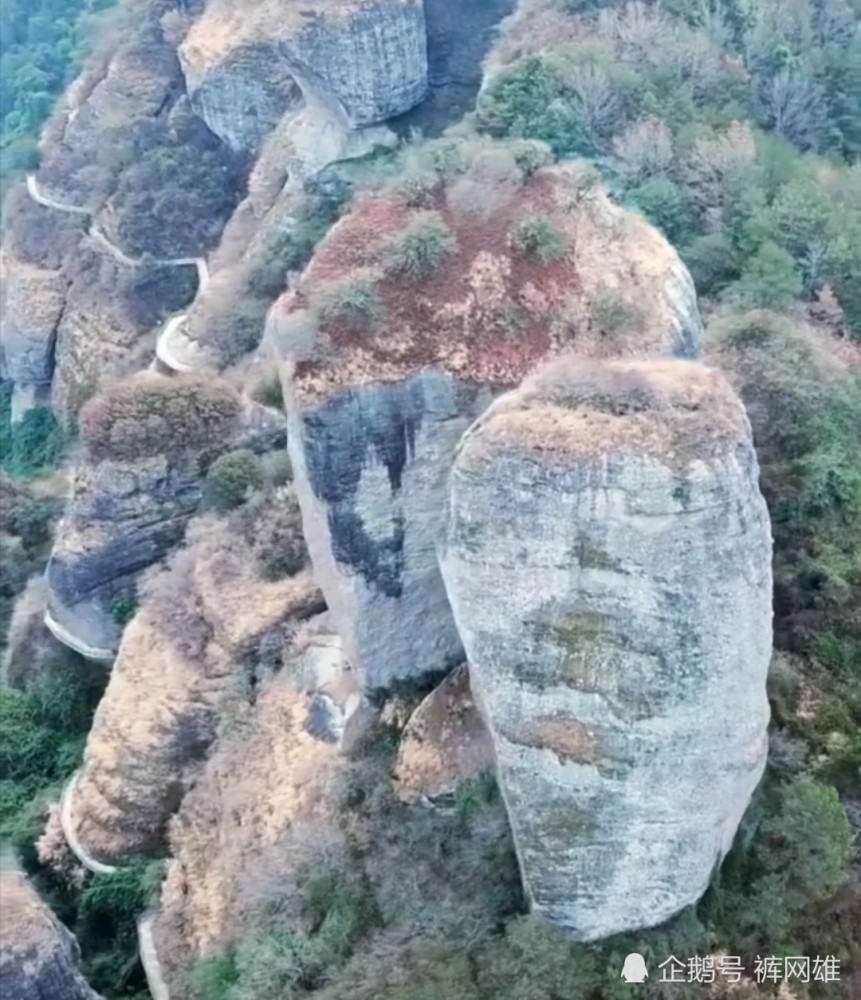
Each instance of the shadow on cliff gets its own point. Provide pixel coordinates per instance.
(459, 38)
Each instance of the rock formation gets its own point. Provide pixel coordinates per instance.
(264, 805)
(138, 482)
(359, 63)
(377, 401)
(444, 742)
(38, 956)
(180, 661)
(608, 560)
(33, 300)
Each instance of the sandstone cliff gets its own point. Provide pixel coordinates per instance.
(244, 69)
(384, 371)
(262, 809)
(38, 956)
(130, 181)
(608, 560)
(136, 485)
(180, 660)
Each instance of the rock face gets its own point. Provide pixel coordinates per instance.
(179, 662)
(257, 812)
(444, 743)
(245, 68)
(135, 488)
(38, 956)
(376, 406)
(608, 560)
(32, 305)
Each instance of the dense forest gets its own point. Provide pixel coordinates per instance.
(735, 127)
(41, 48)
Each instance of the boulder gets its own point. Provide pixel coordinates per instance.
(180, 662)
(245, 69)
(377, 403)
(444, 742)
(607, 556)
(39, 957)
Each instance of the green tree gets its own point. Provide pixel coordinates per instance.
(231, 478)
(769, 279)
(666, 205)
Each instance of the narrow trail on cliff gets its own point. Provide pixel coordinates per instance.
(163, 350)
(146, 943)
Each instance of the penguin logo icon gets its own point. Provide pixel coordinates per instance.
(634, 970)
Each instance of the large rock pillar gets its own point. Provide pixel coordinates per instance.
(608, 561)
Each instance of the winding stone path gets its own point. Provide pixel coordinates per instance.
(62, 634)
(69, 832)
(165, 353)
(146, 943)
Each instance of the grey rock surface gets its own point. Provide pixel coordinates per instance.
(608, 560)
(444, 742)
(370, 466)
(244, 98)
(244, 69)
(30, 309)
(39, 957)
(121, 517)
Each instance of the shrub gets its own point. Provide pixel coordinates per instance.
(664, 204)
(528, 101)
(42, 732)
(769, 279)
(353, 300)
(106, 924)
(30, 518)
(422, 247)
(231, 478)
(213, 978)
(33, 444)
(712, 262)
(612, 313)
(531, 156)
(274, 528)
(536, 236)
(417, 188)
(267, 389)
(138, 417)
(124, 608)
(277, 468)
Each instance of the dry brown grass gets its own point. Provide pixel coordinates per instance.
(487, 312)
(677, 411)
(150, 414)
(180, 662)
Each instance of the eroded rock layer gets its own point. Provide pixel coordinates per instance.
(377, 401)
(180, 660)
(608, 560)
(136, 486)
(244, 69)
(38, 956)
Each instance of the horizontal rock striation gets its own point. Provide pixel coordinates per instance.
(137, 484)
(180, 661)
(245, 69)
(377, 405)
(608, 561)
(39, 957)
(32, 304)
